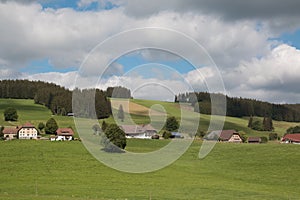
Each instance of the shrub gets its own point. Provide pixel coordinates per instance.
(167, 134)
(10, 114)
(273, 136)
(264, 139)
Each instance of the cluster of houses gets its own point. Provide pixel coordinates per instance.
(28, 131)
(232, 136)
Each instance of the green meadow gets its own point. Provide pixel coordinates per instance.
(66, 170)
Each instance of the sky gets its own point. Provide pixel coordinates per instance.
(252, 48)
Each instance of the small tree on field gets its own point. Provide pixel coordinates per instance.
(41, 126)
(116, 136)
(172, 124)
(250, 122)
(273, 136)
(1, 132)
(10, 114)
(104, 126)
(51, 126)
(166, 134)
(121, 113)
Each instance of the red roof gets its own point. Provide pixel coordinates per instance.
(10, 130)
(64, 131)
(28, 125)
(292, 137)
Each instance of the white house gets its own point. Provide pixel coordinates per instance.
(139, 131)
(27, 131)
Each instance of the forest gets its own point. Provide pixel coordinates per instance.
(240, 107)
(59, 99)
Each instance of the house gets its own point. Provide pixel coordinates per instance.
(139, 131)
(64, 134)
(225, 136)
(27, 131)
(254, 140)
(291, 138)
(10, 133)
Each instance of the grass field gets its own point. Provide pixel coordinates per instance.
(65, 170)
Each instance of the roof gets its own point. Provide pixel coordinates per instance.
(27, 125)
(64, 131)
(227, 134)
(10, 130)
(295, 137)
(136, 129)
(254, 139)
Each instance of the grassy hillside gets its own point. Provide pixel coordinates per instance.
(30, 112)
(65, 170)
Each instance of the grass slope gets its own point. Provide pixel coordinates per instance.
(65, 170)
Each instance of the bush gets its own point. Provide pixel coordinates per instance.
(10, 114)
(273, 136)
(264, 139)
(167, 134)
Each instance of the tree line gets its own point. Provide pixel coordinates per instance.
(239, 107)
(59, 99)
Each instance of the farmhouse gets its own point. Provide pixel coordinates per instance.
(27, 131)
(139, 131)
(10, 133)
(64, 134)
(254, 140)
(291, 138)
(225, 136)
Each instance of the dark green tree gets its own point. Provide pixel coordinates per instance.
(1, 132)
(51, 126)
(250, 122)
(295, 129)
(104, 126)
(273, 136)
(121, 113)
(268, 124)
(10, 114)
(166, 134)
(41, 126)
(116, 136)
(172, 124)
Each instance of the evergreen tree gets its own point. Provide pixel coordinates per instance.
(250, 122)
(121, 113)
(116, 136)
(104, 126)
(172, 124)
(51, 126)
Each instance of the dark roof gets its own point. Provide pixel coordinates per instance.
(254, 139)
(227, 134)
(64, 131)
(295, 137)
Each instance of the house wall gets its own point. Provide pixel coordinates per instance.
(10, 136)
(28, 133)
(235, 138)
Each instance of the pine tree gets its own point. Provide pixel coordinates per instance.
(51, 126)
(121, 113)
(250, 123)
